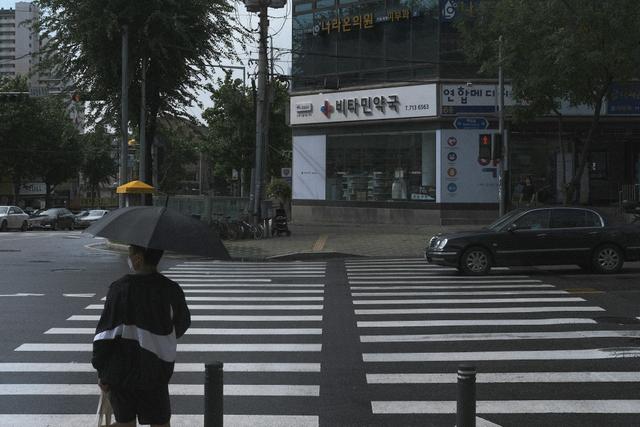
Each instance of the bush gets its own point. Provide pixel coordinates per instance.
(279, 189)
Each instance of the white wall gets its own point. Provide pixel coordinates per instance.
(309, 167)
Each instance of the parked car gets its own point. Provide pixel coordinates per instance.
(539, 236)
(13, 217)
(55, 218)
(91, 217)
(81, 214)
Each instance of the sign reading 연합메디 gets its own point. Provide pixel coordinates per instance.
(372, 104)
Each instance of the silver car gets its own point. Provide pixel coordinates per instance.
(13, 217)
(91, 217)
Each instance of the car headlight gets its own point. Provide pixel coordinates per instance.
(441, 244)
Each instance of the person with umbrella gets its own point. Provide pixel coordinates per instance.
(134, 348)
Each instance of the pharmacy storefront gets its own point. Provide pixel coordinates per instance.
(387, 155)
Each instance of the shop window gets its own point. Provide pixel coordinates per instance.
(381, 167)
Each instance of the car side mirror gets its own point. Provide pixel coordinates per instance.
(512, 228)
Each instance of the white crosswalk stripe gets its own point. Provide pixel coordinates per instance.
(504, 324)
(264, 322)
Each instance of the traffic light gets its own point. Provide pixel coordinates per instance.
(496, 152)
(484, 148)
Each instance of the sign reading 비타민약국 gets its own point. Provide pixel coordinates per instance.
(373, 104)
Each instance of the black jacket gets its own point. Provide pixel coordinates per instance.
(135, 341)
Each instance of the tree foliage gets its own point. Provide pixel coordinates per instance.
(554, 50)
(37, 138)
(231, 140)
(98, 163)
(181, 40)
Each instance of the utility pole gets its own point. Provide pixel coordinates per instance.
(124, 144)
(261, 116)
(143, 122)
(502, 166)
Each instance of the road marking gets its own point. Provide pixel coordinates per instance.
(206, 331)
(179, 367)
(79, 295)
(84, 420)
(427, 287)
(426, 282)
(469, 356)
(240, 272)
(255, 291)
(234, 307)
(228, 298)
(263, 267)
(243, 276)
(174, 390)
(508, 377)
(417, 294)
(249, 285)
(498, 336)
(22, 295)
(511, 407)
(443, 276)
(211, 318)
(476, 310)
(466, 301)
(319, 244)
(475, 322)
(226, 280)
(277, 347)
(255, 264)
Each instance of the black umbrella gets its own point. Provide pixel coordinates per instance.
(160, 228)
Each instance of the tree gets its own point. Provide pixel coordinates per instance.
(571, 50)
(98, 164)
(180, 147)
(18, 133)
(232, 128)
(180, 39)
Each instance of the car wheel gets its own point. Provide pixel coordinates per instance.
(3, 226)
(475, 261)
(607, 259)
(24, 226)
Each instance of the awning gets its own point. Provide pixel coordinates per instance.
(135, 187)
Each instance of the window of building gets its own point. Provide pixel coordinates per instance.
(381, 167)
(351, 41)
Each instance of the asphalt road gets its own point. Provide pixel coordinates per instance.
(363, 342)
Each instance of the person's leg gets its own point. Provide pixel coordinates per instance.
(154, 406)
(123, 403)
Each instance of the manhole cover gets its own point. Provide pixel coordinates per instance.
(619, 320)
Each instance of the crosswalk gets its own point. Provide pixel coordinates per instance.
(262, 320)
(542, 357)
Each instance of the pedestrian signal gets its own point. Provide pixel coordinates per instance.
(484, 148)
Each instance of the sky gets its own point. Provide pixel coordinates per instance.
(279, 28)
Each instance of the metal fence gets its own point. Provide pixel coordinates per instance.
(206, 208)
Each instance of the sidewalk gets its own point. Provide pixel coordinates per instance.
(312, 241)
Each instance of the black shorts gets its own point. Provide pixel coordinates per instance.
(152, 406)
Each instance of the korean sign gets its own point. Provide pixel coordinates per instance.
(373, 104)
(474, 98)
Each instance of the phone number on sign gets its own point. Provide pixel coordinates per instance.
(416, 107)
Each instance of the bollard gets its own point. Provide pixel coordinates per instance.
(213, 395)
(466, 407)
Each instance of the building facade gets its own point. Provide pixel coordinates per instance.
(390, 124)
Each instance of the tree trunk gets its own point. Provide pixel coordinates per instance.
(586, 147)
(17, 183)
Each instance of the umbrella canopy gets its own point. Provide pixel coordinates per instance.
(160, 228)
(135, 187)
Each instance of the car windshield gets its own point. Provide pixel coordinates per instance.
(95, 213)
(3, 210)
(504, 219)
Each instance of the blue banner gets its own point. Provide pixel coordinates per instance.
(624, 99)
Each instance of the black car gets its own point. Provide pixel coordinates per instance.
(55, 218)
(540, 236)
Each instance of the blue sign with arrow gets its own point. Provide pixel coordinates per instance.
(470, 123)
